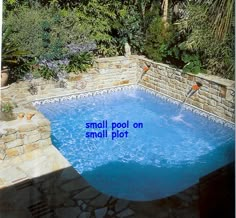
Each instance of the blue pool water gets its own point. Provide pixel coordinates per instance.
(168, 153)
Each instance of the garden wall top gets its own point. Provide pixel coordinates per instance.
(212, 78)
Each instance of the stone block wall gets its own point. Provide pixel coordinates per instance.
(21, 136)
(112, 72)
(106, 73)
(215, 96)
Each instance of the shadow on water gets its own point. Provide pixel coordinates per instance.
(133, 181)
(65, 193)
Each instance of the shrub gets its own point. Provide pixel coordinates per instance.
(46, 72)
(215, 54)
(98, 18)
(158, 39)
(128, 28)
(46, 31)
(192, 63)
(80, 62)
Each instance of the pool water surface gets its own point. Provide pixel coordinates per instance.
(169, 152)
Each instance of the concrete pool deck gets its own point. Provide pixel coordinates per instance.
(37, 181)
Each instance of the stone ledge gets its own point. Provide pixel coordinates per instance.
(21, 136)
(211, 78)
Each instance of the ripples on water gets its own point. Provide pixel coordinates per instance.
(172, 146)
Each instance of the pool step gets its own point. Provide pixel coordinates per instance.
(40, 209)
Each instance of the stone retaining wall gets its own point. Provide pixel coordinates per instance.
(18, 137)
(215, 96)
(22, 136)
(107, 73)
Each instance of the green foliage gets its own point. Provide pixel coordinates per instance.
(26, 26)
(158, 39)
(45, 28)
(6, 107)
(80, 62)
(128, 28)
(98, 18)
(13, 57)
(192, 63)
(45, 31)
(217, 56)
(11, 54)
(46, 72)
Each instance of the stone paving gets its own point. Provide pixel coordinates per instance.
(42, 183)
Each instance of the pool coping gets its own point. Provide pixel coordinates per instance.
(163, 96)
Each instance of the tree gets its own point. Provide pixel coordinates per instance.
(164, 6)
(221, 13)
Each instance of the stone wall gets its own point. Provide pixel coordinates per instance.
(111, 72)
(215, 96)
(21, 136)
(106, 73)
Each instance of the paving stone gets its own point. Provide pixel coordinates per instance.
(88, 193)
(125, 213)
(85, 215)
(27, 196)
(110, 212)
(70, 212)
(184, 197)
(84, 206)
(100, 201)
(11, 174)
(56, 199)
(121, 205)
(14, 213)
(69, 203)
(100, 213)
(79, 202)
(75, 184)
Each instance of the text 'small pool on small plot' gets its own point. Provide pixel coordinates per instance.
(135, 145)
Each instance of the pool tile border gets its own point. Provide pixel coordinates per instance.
(143, 88)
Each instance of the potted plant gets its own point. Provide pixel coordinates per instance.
(11, 56)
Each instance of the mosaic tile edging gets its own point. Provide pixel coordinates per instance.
(189, 107)
(148, 90)
(81, 95)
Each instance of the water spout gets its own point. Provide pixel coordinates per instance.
(192, 91)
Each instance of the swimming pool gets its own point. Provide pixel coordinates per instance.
(160, 152)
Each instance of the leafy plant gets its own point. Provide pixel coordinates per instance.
(128, 28)
(216, 54)
(7, 107)
(46, 31)
(46, 72)
(192, 63)
(98, 17)
(80, 62)
(158, 39)
(11, 54)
